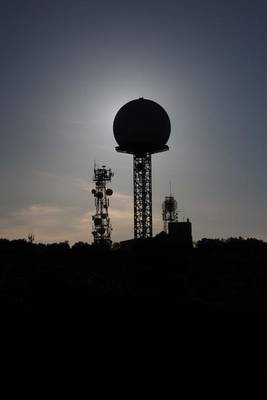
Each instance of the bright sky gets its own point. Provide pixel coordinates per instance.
(68, 66)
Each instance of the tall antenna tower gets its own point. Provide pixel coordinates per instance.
(169, 211)
(142, 128)
(101, 222)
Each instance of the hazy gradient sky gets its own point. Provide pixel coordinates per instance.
(67, 67)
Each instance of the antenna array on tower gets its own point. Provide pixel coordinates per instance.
(101, 222)
(169, 211)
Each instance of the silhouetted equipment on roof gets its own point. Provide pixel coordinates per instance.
(169, 211)
(179, 233)
(101, 222)
(142, 127)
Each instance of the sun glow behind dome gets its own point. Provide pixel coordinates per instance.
(59, 101)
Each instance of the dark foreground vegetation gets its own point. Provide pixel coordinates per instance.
(216, 274)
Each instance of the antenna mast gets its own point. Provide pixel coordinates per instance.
(101, 222)
(169, 211)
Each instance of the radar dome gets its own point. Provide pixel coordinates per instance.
(141, 125)
(169, 204)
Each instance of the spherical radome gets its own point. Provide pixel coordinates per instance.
(141, 124)
(169, 204)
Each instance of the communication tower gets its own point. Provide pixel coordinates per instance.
(169, 211)
(101, 222)
(142, 128)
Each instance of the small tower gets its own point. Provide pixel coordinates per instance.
(101, 222)
(169, 211)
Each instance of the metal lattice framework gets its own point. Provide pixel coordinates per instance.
(142, 170)
(101, 222)
(169, 211)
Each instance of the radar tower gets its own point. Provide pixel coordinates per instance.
(142, 128)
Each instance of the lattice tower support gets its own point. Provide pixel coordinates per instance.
(142, 170)
(101, 223)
